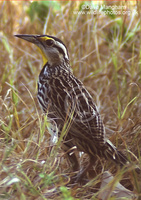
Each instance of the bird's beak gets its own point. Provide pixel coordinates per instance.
(35, 39)
(30, 38)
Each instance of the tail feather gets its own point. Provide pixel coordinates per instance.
(119, 158)
(116, 156)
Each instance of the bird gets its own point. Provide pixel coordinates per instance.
(66, 100)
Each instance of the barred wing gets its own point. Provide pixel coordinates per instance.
(70, 99)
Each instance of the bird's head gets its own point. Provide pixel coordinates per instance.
(52, 49)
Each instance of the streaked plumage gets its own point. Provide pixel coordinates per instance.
(66, 99)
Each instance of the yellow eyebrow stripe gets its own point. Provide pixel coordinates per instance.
(44, 38)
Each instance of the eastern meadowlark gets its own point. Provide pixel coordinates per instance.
(65, 98)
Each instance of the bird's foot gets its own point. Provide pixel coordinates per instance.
(80, 178)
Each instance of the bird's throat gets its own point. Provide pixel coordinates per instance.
(45, 60)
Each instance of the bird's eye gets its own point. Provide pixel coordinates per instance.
(49, 42)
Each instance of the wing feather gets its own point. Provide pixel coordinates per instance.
(69, 97)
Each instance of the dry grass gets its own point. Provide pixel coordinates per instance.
(105, 53)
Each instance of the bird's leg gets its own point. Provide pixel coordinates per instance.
(73, 160)
(69, 149)
(84, 170)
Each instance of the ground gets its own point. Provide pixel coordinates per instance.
(105, 54)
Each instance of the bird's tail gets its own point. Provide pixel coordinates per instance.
(117, 157)
(113, 154)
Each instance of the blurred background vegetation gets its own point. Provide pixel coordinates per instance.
(105, 53)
